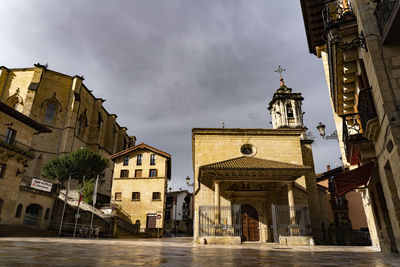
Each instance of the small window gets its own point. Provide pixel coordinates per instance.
(2, 170)
(118, 196)
(19, 211)
(50, 113)
(10, 136)
(289, 111)
(126, 161)
(153, 159)
(47, 214)
(156, 196)
(124, 173)
(138, 173)
(153, 173)
(136, 196)
(139, 160)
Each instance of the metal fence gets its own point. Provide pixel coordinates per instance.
(229, 224)
(281, 221)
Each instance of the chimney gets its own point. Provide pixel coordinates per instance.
(328, 167)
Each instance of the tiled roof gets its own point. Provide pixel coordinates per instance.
(245, 162)
(140, 146)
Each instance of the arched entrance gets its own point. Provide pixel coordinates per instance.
(33, 214)
(250, 223)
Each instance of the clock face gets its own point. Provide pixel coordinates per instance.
(247, 150)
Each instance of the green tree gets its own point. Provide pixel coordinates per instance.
(78, 164)
(88, 189)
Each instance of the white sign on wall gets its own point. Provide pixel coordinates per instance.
(41, 185)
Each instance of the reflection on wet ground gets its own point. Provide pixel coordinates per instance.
(178, 252)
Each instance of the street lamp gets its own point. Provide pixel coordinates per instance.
(321, 130)
(188, 181)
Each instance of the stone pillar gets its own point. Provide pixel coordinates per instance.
(293, 227)
(217, 203)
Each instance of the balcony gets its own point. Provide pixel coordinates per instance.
(368, 117)
(16, 147)
(387, 14)
(337, 12)
(352, 134)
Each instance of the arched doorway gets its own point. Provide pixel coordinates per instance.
(33, 214)
(250, 223)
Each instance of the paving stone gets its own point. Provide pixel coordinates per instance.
(179, 252)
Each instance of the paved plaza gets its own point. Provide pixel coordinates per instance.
(178, 252)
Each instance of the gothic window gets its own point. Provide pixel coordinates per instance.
(50, 113)
(82, 122)
(289, 111)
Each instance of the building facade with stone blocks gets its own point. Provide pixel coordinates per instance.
(20, 201)
(65, 105)
(256, 184)
(139, 186)
(358, 42)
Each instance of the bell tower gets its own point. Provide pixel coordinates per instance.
(285, 107)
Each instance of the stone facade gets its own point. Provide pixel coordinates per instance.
(139, 186)
(64, 104)
(364, 85)
(19, 203)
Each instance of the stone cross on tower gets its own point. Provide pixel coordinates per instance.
(280, 71)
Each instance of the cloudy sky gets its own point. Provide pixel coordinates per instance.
(168, 66)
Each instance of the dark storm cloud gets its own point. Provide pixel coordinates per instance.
(167, 66)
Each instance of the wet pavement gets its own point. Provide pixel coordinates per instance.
(178, 252)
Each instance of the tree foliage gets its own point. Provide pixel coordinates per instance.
(78, 164)
(88, 189)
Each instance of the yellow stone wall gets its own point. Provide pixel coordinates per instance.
(146, 185)
(64, 90)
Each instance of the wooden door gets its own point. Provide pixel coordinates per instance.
(250, 223)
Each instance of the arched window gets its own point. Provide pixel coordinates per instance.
(289, 111)
(19, 211)
(81, 124)
(50, 112)
(46, 214)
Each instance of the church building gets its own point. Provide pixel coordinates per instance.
(257, 184)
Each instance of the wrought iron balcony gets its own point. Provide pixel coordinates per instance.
(337, 12)
(16, 146)
(352, 128)
(366, 107)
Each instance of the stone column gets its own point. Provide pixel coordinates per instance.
(292, 209)
(217, 203)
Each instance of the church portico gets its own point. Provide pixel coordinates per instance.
(250, 185)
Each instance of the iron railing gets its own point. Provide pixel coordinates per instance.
(281, 224)
(383, 11)
(366, 107)
(16, 146)
(337, 12)
(351, 127)
(230, 221)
